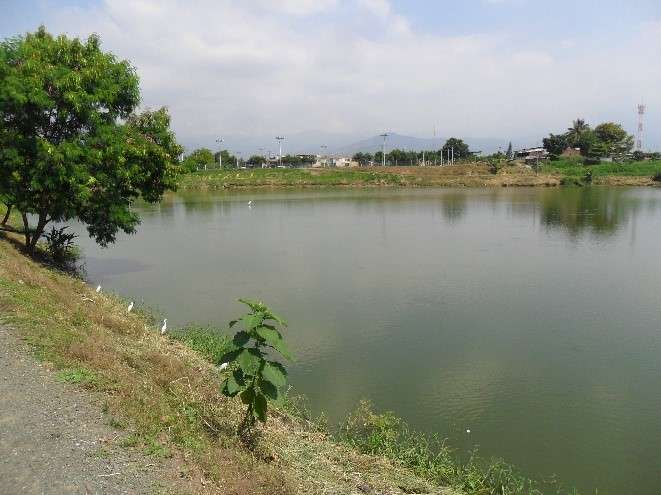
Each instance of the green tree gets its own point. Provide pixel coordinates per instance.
(614, 137)
(228, 159)
(510, 152)
(256, 161)
(576, 131)
(291, 161)
(363, 159)
(70, 144)
(556, 143)
(198, 159)
(456, 147)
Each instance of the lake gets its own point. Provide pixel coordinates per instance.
(531, 317)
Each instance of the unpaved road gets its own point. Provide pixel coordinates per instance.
(55, 440)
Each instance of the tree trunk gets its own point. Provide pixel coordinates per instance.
(36, 235)
(26, 231)
(4, 220)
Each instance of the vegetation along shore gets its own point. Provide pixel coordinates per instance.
(480, 174)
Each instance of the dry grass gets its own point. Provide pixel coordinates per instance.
(169, 394)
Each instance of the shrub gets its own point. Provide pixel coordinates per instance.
(657, 177)
(60, 245)
(255, 377)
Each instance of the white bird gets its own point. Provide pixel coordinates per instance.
(164, 328)
(223, 366)
(98, 288)
(250, 203)
(128, 310)
(468, 431)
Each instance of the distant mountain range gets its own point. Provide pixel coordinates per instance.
(398, 141)
(318, 142)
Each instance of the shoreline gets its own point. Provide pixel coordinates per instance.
(458, 176)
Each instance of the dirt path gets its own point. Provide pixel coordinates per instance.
(54, 439)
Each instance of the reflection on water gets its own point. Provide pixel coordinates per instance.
(530, 316)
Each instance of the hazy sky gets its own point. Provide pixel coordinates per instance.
(480, 68)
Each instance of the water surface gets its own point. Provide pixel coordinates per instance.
(531, 316)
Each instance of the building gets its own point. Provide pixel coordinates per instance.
(335, 162)
(532, 154)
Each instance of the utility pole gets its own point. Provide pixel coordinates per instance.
(220, 153)
(384, 136)
(324, 149)
(280, 138)
(641, 117)
(452, 155)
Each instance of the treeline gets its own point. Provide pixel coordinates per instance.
(605, 140)
(453, 148)
(204, 158)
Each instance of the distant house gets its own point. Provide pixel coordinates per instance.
(533, 154)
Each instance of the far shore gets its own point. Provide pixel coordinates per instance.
(467, 175)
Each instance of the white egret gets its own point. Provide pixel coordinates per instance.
(128, 310)
(223, 366)
(250, 203)
(164, 328)
(98, 288)
(468, 431)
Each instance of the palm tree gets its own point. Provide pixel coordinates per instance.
(574, 133)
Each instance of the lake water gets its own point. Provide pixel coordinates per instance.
(531, 316)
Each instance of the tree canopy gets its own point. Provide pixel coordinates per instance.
(457, 148)
(607, 139)
(71, 145)
(197, 159)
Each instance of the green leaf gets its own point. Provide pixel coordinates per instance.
(270, 390)
(231, 387)
(249, 360)
(274, 373)
(260, 407)
(252, 320)
(241, 339)
(230, 356)
(270, 335)
(281, 347)
(248, 395)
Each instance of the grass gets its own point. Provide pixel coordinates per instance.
(430, 458)
(164, 391)
(575, 168)
(78, 375)
(218, 179)
(206, 341)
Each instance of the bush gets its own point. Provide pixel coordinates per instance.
(60, 245)
(591, 161)
(657, 177)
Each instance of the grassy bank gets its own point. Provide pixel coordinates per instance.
(165, 392)
(554, 173)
